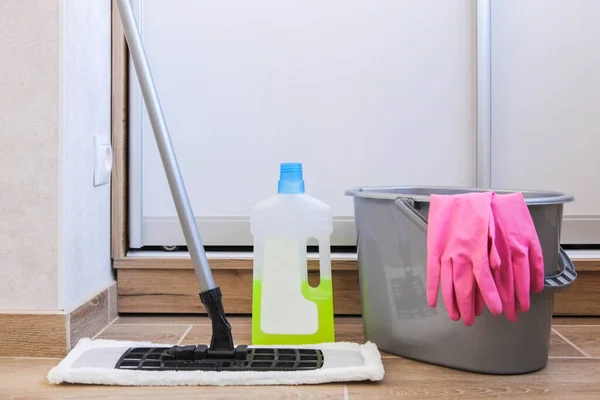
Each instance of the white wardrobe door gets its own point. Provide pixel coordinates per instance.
(362, 92)
(546, 103)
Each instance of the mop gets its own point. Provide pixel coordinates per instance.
(221, 363)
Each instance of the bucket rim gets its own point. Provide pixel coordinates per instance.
(532, 197)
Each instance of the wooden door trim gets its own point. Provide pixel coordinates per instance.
(119, 181)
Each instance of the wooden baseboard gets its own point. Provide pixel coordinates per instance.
(216, 264)
(169, 286)
(33, 335)
(46, 334)
(92, 316)
(582, 298)
(176, 291)
(119, 98)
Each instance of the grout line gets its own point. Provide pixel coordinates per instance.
(346, 397)
(571, 343)
(189, 328)
(103, 329)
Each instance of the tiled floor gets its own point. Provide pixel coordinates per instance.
(573, 371)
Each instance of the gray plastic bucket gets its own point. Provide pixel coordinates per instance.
(391, 225)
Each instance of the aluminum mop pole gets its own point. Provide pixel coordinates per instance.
(210, 294)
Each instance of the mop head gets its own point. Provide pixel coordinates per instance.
(93, 362)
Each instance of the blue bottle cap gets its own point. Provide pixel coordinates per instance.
(290, 179)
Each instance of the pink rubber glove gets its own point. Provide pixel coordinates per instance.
(517, 242)
(460, 251)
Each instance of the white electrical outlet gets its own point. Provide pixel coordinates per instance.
(103, 160)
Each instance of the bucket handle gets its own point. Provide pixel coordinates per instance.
(565, 277)
(557, 282)
(409, 211)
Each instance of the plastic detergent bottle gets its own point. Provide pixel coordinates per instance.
(285, 308)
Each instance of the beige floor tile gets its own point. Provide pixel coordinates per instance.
(351, 330)
(562, 378)
(573, 378)
(201, 334)
(346, 331)
(354, 333)
(243, 335)
(178, 320)
(168, 334)
(586, 338)
(23, 380)
(560, 348)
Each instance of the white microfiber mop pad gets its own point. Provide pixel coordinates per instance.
(93, 361)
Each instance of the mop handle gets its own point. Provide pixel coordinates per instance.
(163, 141)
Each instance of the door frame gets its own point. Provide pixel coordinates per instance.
(119, 133)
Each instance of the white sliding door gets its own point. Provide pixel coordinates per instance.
(546, 104)
(362, 92)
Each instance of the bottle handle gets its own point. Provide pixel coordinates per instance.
(324, 259)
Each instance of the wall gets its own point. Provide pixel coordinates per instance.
(54, 96)
(29, 161)
(86, 111)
